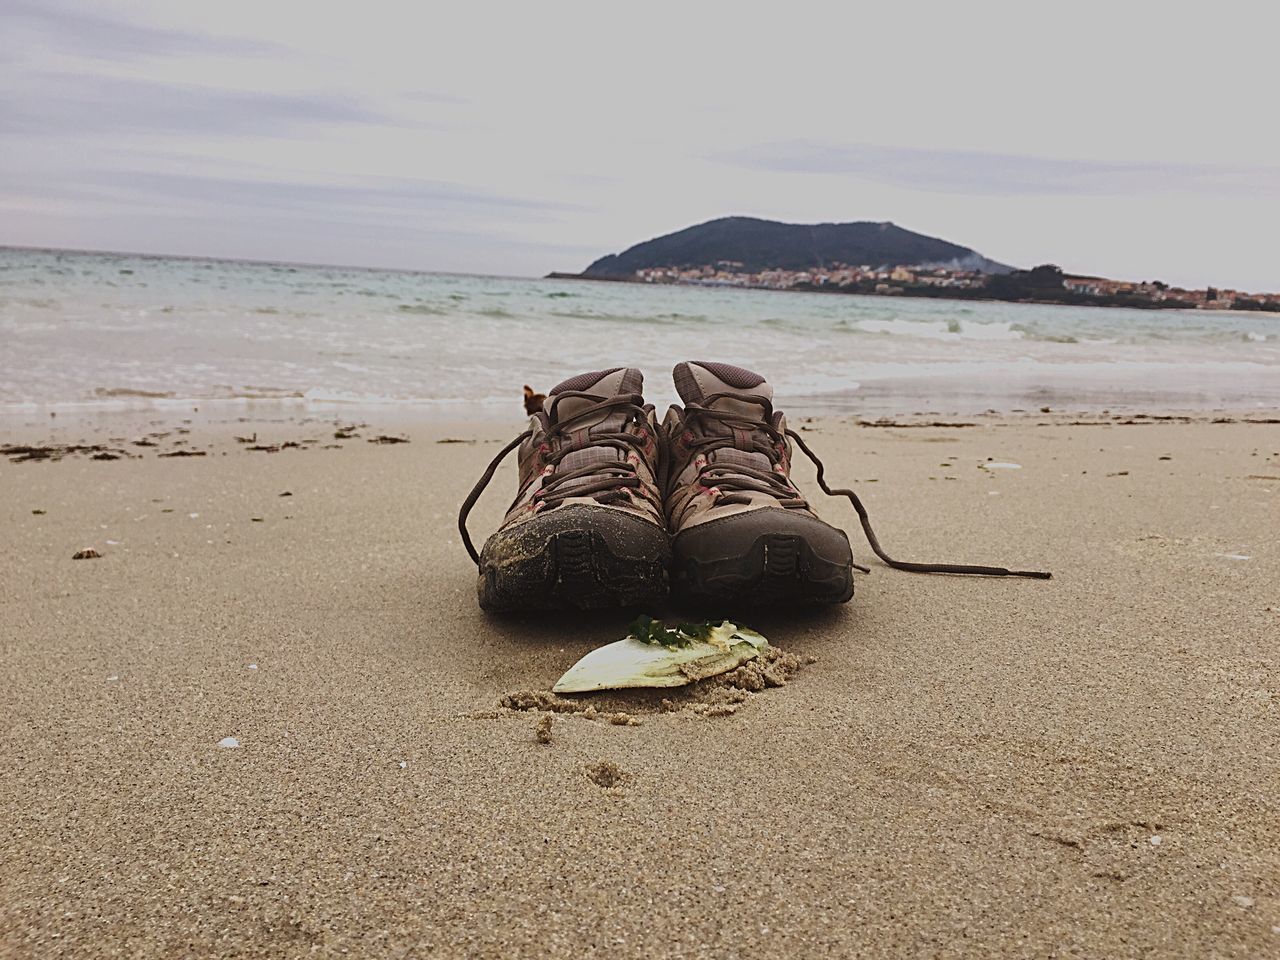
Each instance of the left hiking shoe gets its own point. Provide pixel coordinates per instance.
(586, 528)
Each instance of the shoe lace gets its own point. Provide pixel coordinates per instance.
(735, 478)
(603, 477)
(755, 436)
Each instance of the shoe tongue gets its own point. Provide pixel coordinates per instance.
(698, 379)
(598, 383)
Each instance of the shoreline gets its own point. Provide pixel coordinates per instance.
(917, 293)
(89, 423)
(868, 400)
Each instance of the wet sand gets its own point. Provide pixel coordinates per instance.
(960, 767)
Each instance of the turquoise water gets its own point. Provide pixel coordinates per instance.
(114, 330)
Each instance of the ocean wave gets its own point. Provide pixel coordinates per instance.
(118, 393)
(424, 309)
(39, 303)
(936, 329)
(600, 316)
(1030, 333)
(248, 392)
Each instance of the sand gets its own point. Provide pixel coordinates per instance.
(270, 725)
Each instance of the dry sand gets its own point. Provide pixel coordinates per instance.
(1085, 767)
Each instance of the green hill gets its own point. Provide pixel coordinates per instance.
(767, 244)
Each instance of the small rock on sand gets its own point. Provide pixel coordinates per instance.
(542, 729)
(88, 553)
(228, 743)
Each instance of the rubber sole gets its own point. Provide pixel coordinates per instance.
(777, 568)
(575, 558)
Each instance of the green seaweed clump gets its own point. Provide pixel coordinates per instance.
(648, 630)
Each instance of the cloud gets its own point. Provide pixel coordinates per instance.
(426, 201)
(999, 174)
(75, 106)
(430, 97)
(108, 38)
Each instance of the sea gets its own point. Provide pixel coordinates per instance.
(98, 331)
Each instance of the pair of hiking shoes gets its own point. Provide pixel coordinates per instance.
(617, 510)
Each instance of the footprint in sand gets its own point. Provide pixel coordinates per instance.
(605, 774)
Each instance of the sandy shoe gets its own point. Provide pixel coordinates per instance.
(586, 529)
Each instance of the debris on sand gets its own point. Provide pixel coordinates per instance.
(24, 453)
(388, 438)
(652, 655)
(542, 729)
(545, 702)
(185, 453)
(228, 743)
(773, 668)
(883, 422)
(723, 697)
(88, 553)
(548, 704)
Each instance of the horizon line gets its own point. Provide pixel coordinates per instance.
(204, 258)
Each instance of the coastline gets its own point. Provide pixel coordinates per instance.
(970, 767)
(930, 293)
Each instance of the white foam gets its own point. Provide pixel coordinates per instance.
(942, 330)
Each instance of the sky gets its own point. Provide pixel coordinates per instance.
(1122, 139)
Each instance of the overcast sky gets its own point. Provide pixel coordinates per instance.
(537, 136)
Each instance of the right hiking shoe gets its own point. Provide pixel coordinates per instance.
(586, 529)
(741, 532)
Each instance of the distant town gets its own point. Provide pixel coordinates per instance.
(1047, 283)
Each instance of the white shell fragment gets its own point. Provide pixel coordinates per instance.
(632, 663)
(228, 743)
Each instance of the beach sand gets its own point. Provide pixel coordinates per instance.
(1088, 766)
